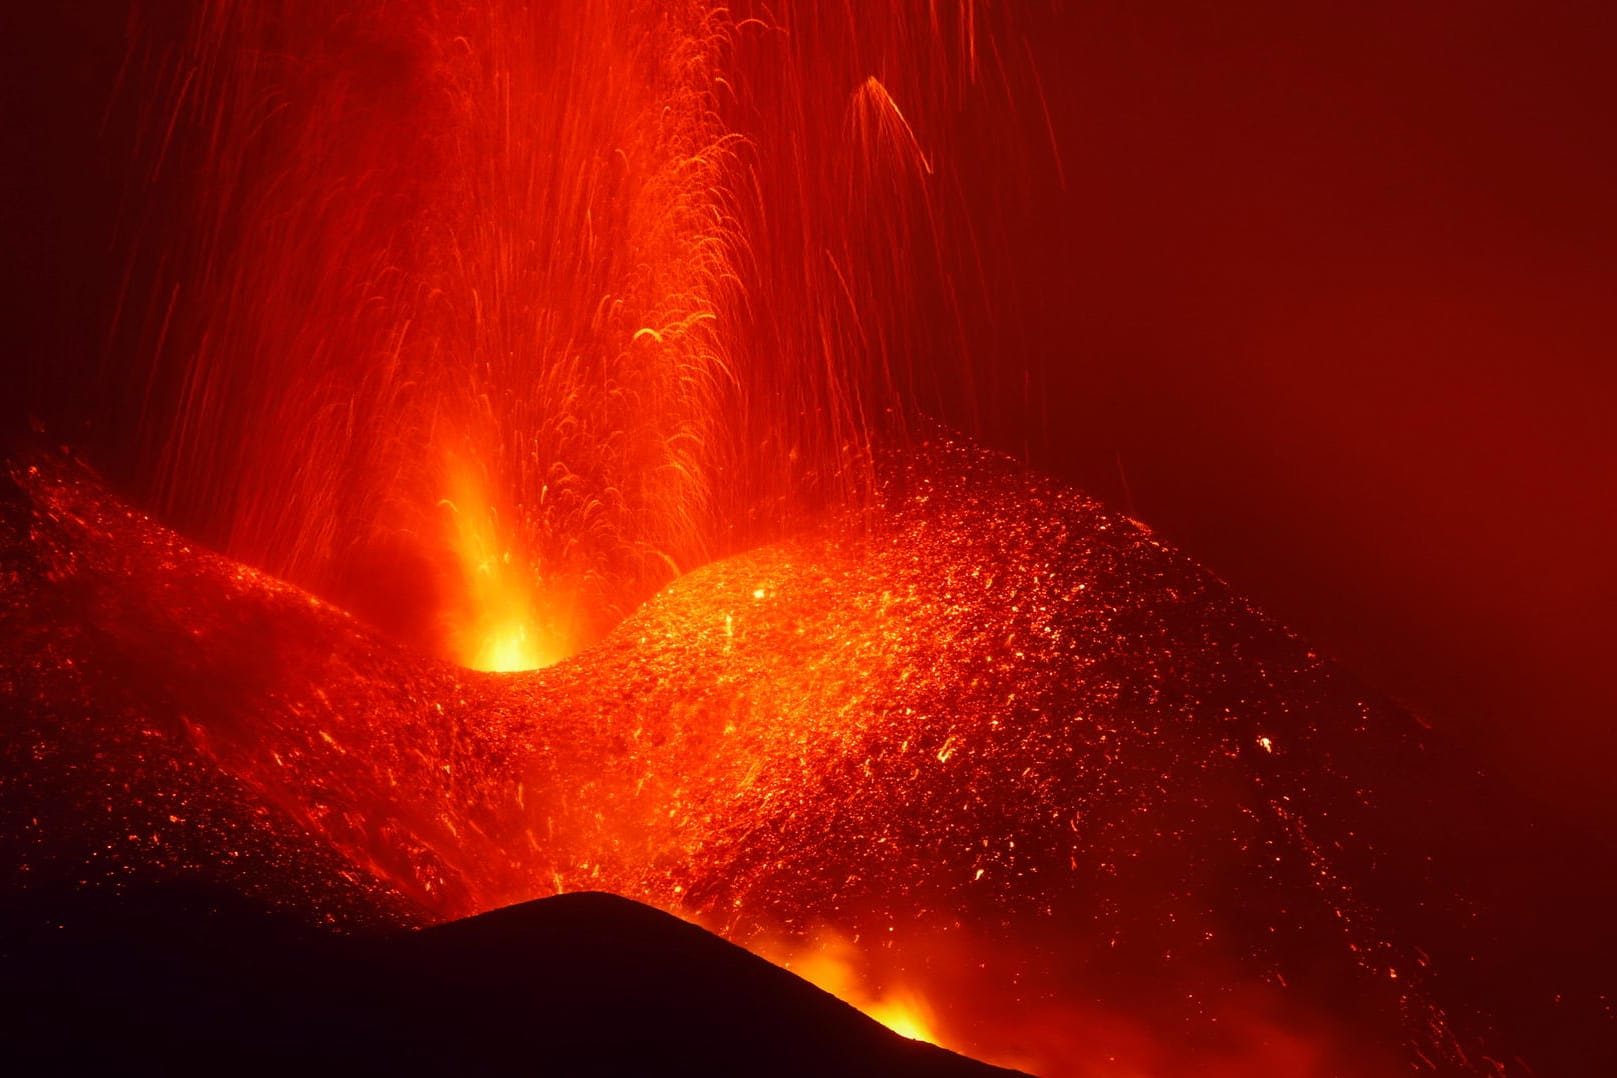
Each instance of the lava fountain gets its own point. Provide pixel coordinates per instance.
(443, 300)
(487, 320)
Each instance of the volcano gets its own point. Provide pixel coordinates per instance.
(515, 549)
(1037, 767)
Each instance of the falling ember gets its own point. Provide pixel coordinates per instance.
(488, 320)
(460, 259)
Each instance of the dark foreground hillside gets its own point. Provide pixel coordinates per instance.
(170, 982)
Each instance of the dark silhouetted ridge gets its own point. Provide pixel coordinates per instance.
(184, 980)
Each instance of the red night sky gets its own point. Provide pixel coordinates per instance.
(1330, 286)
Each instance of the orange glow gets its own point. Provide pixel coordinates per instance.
(834, 963)
(493, 623)
(509, 649)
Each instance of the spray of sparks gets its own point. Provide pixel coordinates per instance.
(488, 320)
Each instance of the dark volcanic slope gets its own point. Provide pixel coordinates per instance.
(1031, 763)
(680, 997)
(583, 984)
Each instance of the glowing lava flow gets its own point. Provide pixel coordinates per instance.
(1040, 771)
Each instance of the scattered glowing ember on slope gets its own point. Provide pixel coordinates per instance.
(1004, 740)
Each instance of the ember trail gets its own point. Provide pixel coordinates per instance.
(487, 320)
